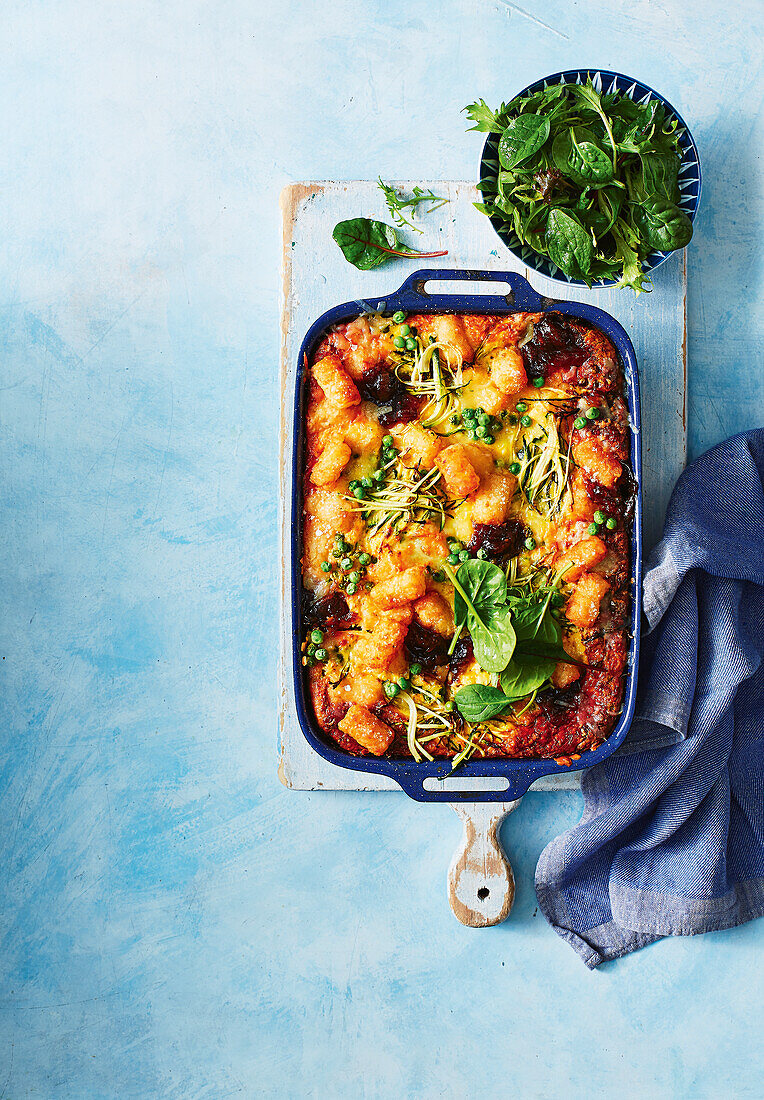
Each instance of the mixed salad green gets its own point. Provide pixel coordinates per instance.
(590, 180)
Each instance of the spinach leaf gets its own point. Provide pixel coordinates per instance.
(367, 244)
(538, 649)
(592, 162)
(659, 176)
(493, 638)
(478, 703)
(480, 591)
(522, 138)
(663, 224)
(570, 246)
(484, 584)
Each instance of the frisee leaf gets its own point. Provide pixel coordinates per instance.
(367, 243)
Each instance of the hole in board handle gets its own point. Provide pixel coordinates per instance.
(483, 893)
(498, 289)
(478, 783)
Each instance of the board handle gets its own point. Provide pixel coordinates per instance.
(481, 885)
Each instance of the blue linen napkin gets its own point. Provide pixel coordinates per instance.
(671, 842)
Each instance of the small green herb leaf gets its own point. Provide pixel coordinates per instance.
(367, 244)
(478, 703)
(570, 246)
(522, 138)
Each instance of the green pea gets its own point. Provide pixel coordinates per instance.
(452, 559)
(514, 468)
(316, 636)
(484, 419)
(355, 576)
(405, 330)
(364, 558)
(379, 476)
(346, 563)
(399, 342)
(488, 439)
(472, 433)
(439, 576)
(353, 485)
(340, 543)
(399, 316)
(481, 431)
(448, 707)
(521, 406)
(611, 524)
(526, 421)
(387, 441)
(403, 683)
(468, 414)
(410, 344)
(479, 410)
(579, 423)
(391, 689)
(454, 545)
(359, 492)
(326, 566)
(320, 654)
(482, 554)
(538, 383)
(599, 517)
(367, 483)
(463, 555)
(350, 589)
(530, 544)
(593, 528)
(593, 414)
(415, 670)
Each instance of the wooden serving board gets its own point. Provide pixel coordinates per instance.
(317, 276)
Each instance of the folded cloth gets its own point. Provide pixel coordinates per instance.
(671, 842)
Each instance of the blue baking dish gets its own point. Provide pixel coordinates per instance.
(412, 297)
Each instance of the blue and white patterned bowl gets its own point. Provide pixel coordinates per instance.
(604, 81)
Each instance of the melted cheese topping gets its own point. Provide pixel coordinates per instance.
(378, 523)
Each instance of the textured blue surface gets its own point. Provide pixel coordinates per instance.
(172, 921)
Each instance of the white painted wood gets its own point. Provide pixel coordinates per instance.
(317, 276)
(481, 885)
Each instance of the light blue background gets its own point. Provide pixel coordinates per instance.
(173, 922)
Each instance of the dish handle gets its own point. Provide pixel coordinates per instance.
(413, 295)
(481, 885)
